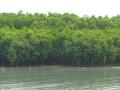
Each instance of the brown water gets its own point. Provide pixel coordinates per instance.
(60, 78)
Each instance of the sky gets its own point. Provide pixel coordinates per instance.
(79, 7)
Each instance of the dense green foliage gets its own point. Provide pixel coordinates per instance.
(57, 21)
(63, 39)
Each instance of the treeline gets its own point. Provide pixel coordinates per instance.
(62, 39)
(68, 47)
(57, 21)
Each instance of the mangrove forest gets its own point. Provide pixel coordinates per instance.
(58, 39)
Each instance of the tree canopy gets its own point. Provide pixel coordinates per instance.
(62, 39)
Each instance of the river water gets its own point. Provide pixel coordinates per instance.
(60, 78)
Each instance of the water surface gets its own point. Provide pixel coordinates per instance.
(60, 78)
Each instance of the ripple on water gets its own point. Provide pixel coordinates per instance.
(31, 86)
(57, 78)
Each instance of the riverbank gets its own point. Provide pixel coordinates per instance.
(14, 66)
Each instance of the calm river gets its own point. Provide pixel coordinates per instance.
(60, 78)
